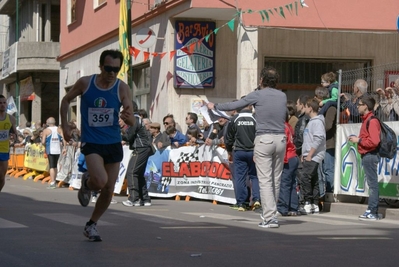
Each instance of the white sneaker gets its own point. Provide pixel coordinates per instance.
(113, 201)
(302, 211)
(315, 209)
(93, 199)
(307, 208)
(129, 203)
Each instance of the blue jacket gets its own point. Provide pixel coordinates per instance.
(180, 138)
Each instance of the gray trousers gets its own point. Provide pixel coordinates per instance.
(269, 155)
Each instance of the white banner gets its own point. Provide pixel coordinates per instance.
(201, 172)
(122, 169)
(11, 107)
(349, 174)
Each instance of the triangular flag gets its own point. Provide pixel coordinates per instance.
(282, 12)
(154, 54)
(296, 8)
(161, 55)
(271, 12)
(191, 47)
(199, 42)
(289, 8)
(264, 15)
(249, 11)
(231, 24)
(303, 4)
(275, 9)
(172, 54)
(207, 36)
(215, 31)
(146, 55)
(185, 50)
(134, 51)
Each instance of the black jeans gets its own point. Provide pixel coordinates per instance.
(135, 175)
(310, 182)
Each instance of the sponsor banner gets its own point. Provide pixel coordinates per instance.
(64, 165)
(76, 176)
(122, 170)
(349, 178)
(201, 172)
(35, 158)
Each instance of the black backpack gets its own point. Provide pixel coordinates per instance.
(388, 141)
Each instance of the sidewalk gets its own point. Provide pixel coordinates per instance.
(349, 205)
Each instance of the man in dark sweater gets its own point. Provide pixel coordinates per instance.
(241, 136)
(300, 126)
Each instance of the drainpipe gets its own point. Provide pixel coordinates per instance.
(17, 96)
(129, 41)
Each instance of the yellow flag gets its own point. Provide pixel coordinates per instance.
(123, 40)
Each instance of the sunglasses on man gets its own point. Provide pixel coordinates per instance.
(112, 69)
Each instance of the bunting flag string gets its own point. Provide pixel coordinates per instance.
(265, 14)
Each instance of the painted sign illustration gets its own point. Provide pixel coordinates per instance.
(195, 65)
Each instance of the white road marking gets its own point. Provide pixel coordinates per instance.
(193, 227)
(355, 238)
(9, 224)
(69, 218)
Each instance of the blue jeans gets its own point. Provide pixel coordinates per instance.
(370, 162)
(328, 169)
(244, 166)
(288, 197)
(322, 180)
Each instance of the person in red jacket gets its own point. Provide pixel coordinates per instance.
(367, 146)
(288, 201)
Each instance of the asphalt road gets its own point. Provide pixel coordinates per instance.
(41, 227)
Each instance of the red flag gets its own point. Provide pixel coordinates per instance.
(172, 54)
(185, 50)
(161, 55)
(192, 47)
(146, 55)
(134, 51)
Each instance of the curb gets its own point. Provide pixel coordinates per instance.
(349, 205)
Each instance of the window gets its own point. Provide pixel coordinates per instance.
(73, 107)
(71, 9)
(98, 3)
(141, 85)
(305, 73)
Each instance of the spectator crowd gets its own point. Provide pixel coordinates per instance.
(281, 152)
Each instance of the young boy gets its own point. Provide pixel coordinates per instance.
(177, 139)
(329, 81)
(313, 151)
(367, 144)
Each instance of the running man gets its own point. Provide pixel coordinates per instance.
(7, 127)
(102, 96)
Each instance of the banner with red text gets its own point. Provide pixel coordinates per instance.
(200, 172)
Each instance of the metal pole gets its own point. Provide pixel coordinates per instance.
(339, 95)
(129, 41)
(17, 96)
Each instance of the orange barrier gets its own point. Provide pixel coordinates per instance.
(41, 176)
(19, 157)
(11, 162)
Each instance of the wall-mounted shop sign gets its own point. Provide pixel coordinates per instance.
(195, 55)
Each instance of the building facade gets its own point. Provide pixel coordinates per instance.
(187, 50)
(29, 69)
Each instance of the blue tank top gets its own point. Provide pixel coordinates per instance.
(100, 114)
